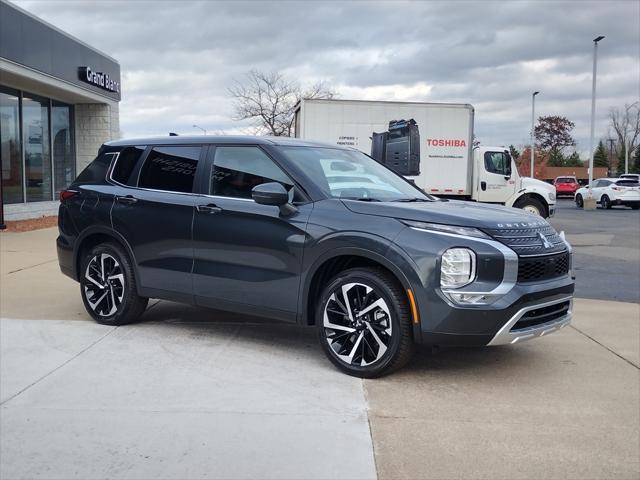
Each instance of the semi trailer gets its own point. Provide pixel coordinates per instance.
(430, 144)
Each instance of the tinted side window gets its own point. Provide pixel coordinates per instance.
(236, 170)
(125, 165)
(170, 168)
(497, 162)
(96, 171)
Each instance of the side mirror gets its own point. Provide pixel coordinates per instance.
(273, 193)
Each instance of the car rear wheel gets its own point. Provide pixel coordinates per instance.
(579, 201)
(364, 323)
(605, 202)
(108, 288)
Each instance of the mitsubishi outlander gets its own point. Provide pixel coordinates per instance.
(313, 234)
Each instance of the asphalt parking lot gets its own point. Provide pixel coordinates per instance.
(191, 393)
(607, 247)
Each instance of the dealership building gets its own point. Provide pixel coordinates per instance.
(58, 103)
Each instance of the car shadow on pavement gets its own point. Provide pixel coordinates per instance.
(251, 332)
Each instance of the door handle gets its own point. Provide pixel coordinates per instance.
(483, 186)
(128, 199)
(210, 208)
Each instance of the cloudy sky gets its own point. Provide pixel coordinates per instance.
(178, 58)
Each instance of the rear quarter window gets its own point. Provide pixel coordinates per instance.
(96, 171)
(125, 165)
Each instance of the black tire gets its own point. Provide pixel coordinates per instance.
(532, 205)
(121, 303)
(375, 327)
(605, 202)
(579, 201)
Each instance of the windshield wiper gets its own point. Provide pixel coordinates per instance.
(361, 199)
(413, 199)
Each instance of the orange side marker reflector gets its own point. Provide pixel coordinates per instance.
(414, 309)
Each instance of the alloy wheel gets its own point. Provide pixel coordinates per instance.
(357, 324)
(104, 284)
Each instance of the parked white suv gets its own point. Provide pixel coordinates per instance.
(612, 191)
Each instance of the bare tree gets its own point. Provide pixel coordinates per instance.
(268, 99)
(625, 123)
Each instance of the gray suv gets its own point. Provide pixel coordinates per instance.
(312, 234)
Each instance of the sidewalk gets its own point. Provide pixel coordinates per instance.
(192, 393)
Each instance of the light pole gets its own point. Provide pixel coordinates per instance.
(533, 121)
(197, 126)
(626, 144)
(591, 204)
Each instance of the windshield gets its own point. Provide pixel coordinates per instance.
(350, 174)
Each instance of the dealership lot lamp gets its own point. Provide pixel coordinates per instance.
(593, 111)
(533, 120)
(197, 126)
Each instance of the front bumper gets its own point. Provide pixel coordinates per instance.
(559, 316)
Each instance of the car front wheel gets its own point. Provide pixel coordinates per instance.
(579, 201)
(531, 205)
(107, 286)
(364, 323)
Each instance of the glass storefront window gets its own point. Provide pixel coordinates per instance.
(10, 154)
(64, 164)
(37, 162)
(36, 134)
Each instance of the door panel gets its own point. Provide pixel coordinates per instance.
(157, 226)
(247, 253)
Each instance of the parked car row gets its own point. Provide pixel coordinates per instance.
(608, 192)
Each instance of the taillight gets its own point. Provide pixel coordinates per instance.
(67, 194)
(617, 189)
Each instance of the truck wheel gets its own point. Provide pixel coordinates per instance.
(364, 323)
(605, 202)
(532, 205)
(579, 201)
(108, 286)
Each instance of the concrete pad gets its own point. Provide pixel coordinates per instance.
(26, 249)
(170, 398)
(31, 350)
(558, 407)
(41, 292)
(615, 325)
(80, 444)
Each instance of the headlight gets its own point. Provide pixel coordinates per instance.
(457, 268)
(552, 196)
(450, 229)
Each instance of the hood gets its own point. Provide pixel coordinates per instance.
(453, 212)
(537, 184)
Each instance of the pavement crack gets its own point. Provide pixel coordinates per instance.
(59, 366)
(367, 413)
(605, 347)
(31, 266)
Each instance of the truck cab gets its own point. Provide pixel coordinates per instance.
(496, 180)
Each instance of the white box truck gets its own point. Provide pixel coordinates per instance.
(428, 143)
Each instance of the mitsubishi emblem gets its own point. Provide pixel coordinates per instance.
(545, 241)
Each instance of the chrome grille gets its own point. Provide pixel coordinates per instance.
(529, 242)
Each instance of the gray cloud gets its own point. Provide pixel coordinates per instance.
(178, 58)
